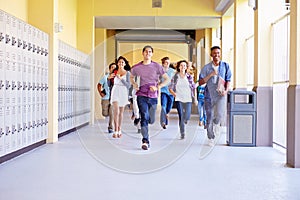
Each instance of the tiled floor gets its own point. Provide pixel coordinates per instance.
(89, 164)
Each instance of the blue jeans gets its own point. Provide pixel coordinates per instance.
(147, 108)
(166, 106)
(201, 111)
(184, 114)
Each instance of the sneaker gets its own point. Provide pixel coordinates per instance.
(119, 134)
(145, 146)
(136, 121)
(211, 142)
(110, 130)
(182, 135)
(164, 126)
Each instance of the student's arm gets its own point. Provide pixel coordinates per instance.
(127, 81)
(133, 83)
(165, 82)
(205, 79)
(99, 87)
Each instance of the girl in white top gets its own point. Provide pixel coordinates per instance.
(182, 88)
(119, 93)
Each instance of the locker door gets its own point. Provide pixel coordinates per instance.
(7, 136)
(2, 58)
(19, 62)
(13, 128)
(19, 126)
(38, 127)
(2, 131)
(29, 66)
(13, 61)
(29, 124)
(8, 61)
(24, 126)
(24, 63)
(33, 123)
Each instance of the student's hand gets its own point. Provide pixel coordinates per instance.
(214, 72)
(174, 94)
(223, 93)
(112, 75)
(135, 86)
(102, 94)
(153, 88)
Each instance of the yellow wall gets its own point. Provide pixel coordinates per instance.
(242, 32)
(17, 8)
(227, 44)
(85, 25)
(67, 16)
(144, 8)
(41, 15)
(133, 51)
(100, 67)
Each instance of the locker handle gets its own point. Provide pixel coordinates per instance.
(19, 128)
(24, 44)
(7, 85)
(19, 85)
(24, 86)
(19, 42)
(1, 84)
(13, 41)
(33, 48)
(24, 126)
(38, 50)
(7, 40)
(13, 85)
(1, 37)
(13, 130)
(29, 46)
(7, 130)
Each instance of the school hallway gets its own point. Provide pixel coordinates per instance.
(89, 164)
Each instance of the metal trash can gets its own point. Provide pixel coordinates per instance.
(241, 118)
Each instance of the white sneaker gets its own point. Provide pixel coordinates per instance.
(211, 142)
(145, 146)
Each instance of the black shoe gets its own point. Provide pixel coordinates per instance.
(164, 126)
(136, 121)
(110, 130)
(182, 136)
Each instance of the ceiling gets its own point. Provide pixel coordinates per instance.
(165, 22)
(156, 22)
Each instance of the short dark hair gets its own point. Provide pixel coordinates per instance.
(111, 64)
(164, 59)
(147, 46)
(215, 47)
